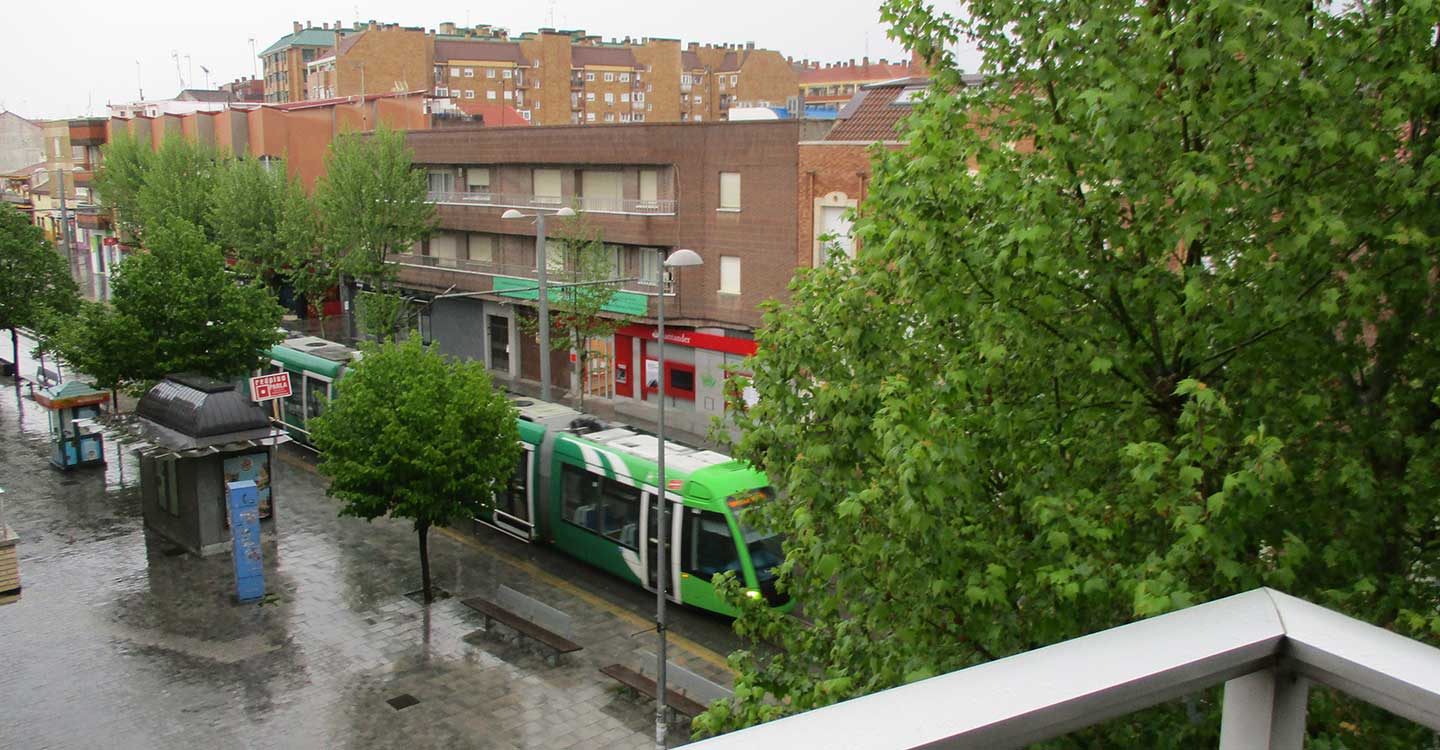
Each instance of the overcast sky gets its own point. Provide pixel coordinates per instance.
(53, 74)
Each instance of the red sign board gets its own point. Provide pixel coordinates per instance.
(267, 387)
(110, 241)
(693, 339)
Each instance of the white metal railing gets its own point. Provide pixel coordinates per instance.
(1265, 646)
(508, 270)
(664, 207)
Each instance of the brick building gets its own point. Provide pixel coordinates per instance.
(552, 77)
(286, 61)
(832, 85)
(723, 190)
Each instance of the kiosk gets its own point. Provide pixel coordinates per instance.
(76, 440)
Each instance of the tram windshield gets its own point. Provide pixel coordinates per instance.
(765, 547)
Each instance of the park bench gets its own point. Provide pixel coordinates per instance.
(686, 693)
(528, 617)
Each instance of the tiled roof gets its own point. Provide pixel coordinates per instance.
(690, 61)
(445, 51)
(496, 115)
(853, 73)
(874, 112)
(730, 64)
(612, 56)
(302, 38)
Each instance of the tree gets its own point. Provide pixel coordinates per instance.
(578, 311)
(96, 341)
(178, 185)
(247, 212)
(175, 308)
(1186, 347)
(35, 281)
(372, 202)
(417, 436)
(382, 314)
(127, 161)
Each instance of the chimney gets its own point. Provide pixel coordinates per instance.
(307, 25)
(749, 46)
(325, 25)
(447, 27)
(918, 67)
(865, 61)
(372, 25)
(296, 26)
(502, 34)
(694, 46)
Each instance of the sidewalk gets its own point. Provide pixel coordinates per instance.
(114, 644)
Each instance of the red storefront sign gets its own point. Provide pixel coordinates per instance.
(108, 241)
(742, 347)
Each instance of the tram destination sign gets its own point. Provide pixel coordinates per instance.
(269, 387)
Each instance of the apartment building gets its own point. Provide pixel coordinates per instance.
(286, 61)
(832, 85)
(552, 77)
(724, 190)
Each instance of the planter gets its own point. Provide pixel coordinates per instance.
(9, 563)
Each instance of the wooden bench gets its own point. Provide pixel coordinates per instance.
(526, 626)
(678, 702)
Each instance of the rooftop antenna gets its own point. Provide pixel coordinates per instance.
(178, 72)
(552, 14)
(254, 72)
(139, 81)
(191, 65)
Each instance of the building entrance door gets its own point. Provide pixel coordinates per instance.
(599, 378)
(499, 333)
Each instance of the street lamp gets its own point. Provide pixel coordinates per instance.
(679, 259)
(64, 213)
(540, 269)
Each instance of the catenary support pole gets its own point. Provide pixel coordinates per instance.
(662, 560)
(540, 268)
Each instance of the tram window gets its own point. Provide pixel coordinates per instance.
(315, 393)
(621, 515)
(295, 404)
(582, 498)
(710, 548)
(511, 500)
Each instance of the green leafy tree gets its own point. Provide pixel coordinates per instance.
(372, 203)
(247, 212)
(311, 267)
(382, 315)
(178, 185)
(35, 283)
(1185, 348)
(175, 308)
(414, 435)
(96, 342)
(578, 312)
(125, 164)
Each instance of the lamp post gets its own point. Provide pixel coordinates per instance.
(544, 292)
(64, 211)
(679, 259)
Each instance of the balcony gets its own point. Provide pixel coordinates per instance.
(436, 273)
(84, 179)
(577, 82)
(664, 207)
(92, 217)
(89, 132)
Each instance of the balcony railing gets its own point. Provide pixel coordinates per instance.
(1267, 648)
(557, 276)
(664, 207)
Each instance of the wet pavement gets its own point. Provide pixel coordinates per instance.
(115, 643)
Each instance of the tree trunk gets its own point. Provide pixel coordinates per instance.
(423, 529)
(114, 400)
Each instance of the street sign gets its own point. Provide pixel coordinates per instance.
(243, 503)
(267, 387)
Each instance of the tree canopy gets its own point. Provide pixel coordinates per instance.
(372, 202)
(258, 214)
(35, 283)
(1184, 348)
(178, 183)
(174, 308)
(414, 435)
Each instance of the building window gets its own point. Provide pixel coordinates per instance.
(526, 114)
(489, 72)
(589, 76)
(469, 72)
(506, 96)
(609, 117)
(477, 179)
(505, 73)
(624, 77)
(639, 96)
(639, 117)
(732, 80)
(625, 98)
(609, 77)
(454, 72)
(699, 100)
(624, 117)
(481, 247)
(490, 95)
(649, 266)
(698, 118)
(649, 184)
(729, 190)
(442, 182)
(469, 94)
(589, 117)
(609, 98)
(547, 185)
(685, 80)
(729, 274)
(589, 96)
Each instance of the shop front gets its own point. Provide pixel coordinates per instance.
(696, 367)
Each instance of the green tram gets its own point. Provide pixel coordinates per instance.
(590, 489)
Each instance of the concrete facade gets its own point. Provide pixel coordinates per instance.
(21, 143)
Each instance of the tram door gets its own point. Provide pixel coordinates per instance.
(515, 505)
(672, 547)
